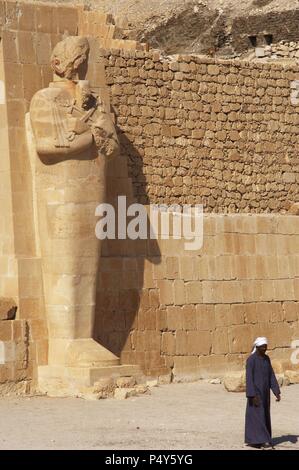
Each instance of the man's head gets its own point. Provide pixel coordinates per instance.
(260, 345)
(262, 349)
(68, 55)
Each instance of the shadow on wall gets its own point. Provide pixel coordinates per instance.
(128, 315)
(135, 164)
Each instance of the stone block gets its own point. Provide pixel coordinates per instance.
(14, 82)
(201, 267)
(166, 292)
(185, 368)
(220, 344)
(199, 343)
(168, 343)
(42, 352)
(174, 318)
(241, 338)
(222, 315)
(291, 311)
(189, 317)
(292, 376)
(121, 393)
(235, 382)
(194, 293)
(66, 18)
(26, 47)
(212, 366)
(10, 51)
(19, 328)
(276, 312)
(27, 17)
(6, 373)
(181, 342)
(231, 292)
(38, 330)
(172, 267)
(237, 314)
(186, 266)
(179, 292)
(126, 382)
(44, 19)
(205, 317)
(6, 331)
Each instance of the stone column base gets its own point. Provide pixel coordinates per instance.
(61, 381)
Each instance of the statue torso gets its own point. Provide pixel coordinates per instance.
(60, 126)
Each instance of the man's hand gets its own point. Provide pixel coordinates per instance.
(256, 401)
(278, 397)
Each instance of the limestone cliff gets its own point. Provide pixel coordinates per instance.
(209, 26)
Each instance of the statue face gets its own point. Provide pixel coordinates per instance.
(68, 56)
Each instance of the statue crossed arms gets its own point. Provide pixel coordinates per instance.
(68, 117)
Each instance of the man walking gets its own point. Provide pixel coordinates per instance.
(260, 378)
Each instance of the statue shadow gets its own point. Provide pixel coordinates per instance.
(127, 307)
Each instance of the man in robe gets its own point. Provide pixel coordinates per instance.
(260, 379)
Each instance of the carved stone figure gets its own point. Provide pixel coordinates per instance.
(74, 136)
(68, 118)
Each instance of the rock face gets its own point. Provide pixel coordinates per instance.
(294, 209)
(200, 25)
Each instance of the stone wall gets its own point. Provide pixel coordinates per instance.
(223, 133)
(192, 130)
(196, 313)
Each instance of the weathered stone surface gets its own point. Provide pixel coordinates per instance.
(235, 382)
(142, 389)
(123, 393)
(105, 385)
(294, 209)
(125, 382)
(292, 376)
(152, 383)
(216, 381)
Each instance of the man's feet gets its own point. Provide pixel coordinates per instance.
(255, 446)
(268, 446)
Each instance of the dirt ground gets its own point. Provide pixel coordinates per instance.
(177, 416)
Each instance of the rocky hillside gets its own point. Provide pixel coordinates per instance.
(178, 26)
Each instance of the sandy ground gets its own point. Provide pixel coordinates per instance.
(178, 416)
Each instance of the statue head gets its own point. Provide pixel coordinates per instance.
(68, 56)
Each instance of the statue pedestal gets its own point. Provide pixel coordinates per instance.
(59, 381)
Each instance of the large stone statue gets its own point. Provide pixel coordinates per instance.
(74, 136)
